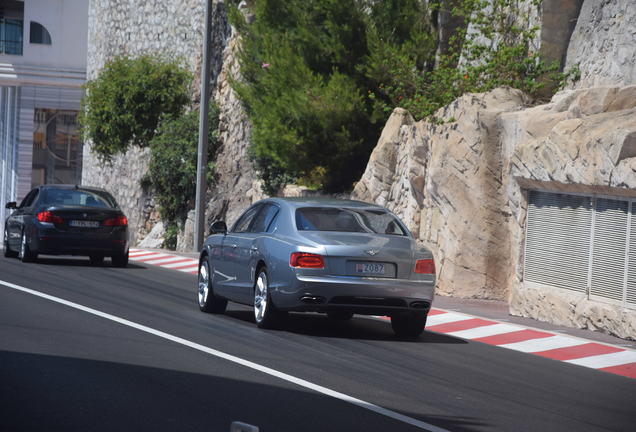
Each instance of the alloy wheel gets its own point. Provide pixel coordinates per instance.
(23, 247)
(260, 297)
(204, 280)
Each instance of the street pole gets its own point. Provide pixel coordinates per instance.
(202, 158)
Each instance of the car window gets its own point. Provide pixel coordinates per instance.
(244, 222)
(347, 220)
(264, 218)
(29, 199)
(78, 198)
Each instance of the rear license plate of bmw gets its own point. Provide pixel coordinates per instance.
(84, 224)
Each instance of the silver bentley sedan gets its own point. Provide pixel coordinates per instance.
(330, 256)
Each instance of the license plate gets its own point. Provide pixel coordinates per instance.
(84, 224)
(370, 268)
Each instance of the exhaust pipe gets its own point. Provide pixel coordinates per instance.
(423, 305)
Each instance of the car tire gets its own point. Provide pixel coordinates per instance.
(265, 313)
(8, 253)
(408, 324)
(208, 302)
(25, 253)
(96, 260)
(340, 315)
(120, 260)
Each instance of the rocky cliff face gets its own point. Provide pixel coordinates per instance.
(447, 182)
(460, 186)
(602, 44)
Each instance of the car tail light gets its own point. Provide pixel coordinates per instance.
(306, 260)
(48, 217)
(116, 221)
(425, 266)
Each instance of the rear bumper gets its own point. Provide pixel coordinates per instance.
(53, 242)
(371, 296)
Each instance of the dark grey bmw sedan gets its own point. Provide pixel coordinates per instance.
(67, 220)
(337, 257)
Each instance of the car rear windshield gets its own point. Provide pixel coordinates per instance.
(347, 220)
(78, 197)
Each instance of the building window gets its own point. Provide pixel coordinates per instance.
(57, 149)
(11, 27)
(39, 34)
(583, 243)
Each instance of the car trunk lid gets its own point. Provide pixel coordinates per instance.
(365, 254)
(83, 219)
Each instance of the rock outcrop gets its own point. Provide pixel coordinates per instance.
(602, 44)
(460, 185)
(446, 181)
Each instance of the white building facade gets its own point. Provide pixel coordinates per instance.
(42, 70)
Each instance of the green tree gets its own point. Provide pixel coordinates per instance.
(173, 163)
(304, 93)
(126, 102)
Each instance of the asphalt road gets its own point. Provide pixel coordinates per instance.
(67, 368)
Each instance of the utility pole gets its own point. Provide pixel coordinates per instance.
(202, 158)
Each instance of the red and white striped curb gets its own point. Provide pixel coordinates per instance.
(570, 349)
(174, 262)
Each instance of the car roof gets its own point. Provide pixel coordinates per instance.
(71, 186)
(323, 202)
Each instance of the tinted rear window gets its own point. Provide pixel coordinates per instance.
(347, 220)
(78, 197)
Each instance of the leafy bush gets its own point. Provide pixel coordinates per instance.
(173, 164)
(126, 102)
(170, 236)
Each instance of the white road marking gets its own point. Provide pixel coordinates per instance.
(165, 260)
(543, 344)
(181, 264)
(194, 268)
(445, 318)
(149, 257)
(141, 252)
(234, 359)
(484, 331)
(606, 360)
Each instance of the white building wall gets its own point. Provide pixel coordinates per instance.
(45, 76)
(67, 23)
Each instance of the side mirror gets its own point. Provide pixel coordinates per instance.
(218, 227)
(11, 205)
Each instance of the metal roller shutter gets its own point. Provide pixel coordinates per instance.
(631, 274)
(608, 254)
(558, 240)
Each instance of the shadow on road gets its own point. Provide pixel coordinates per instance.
(77, 262)
(44, 392)
(363, 328)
